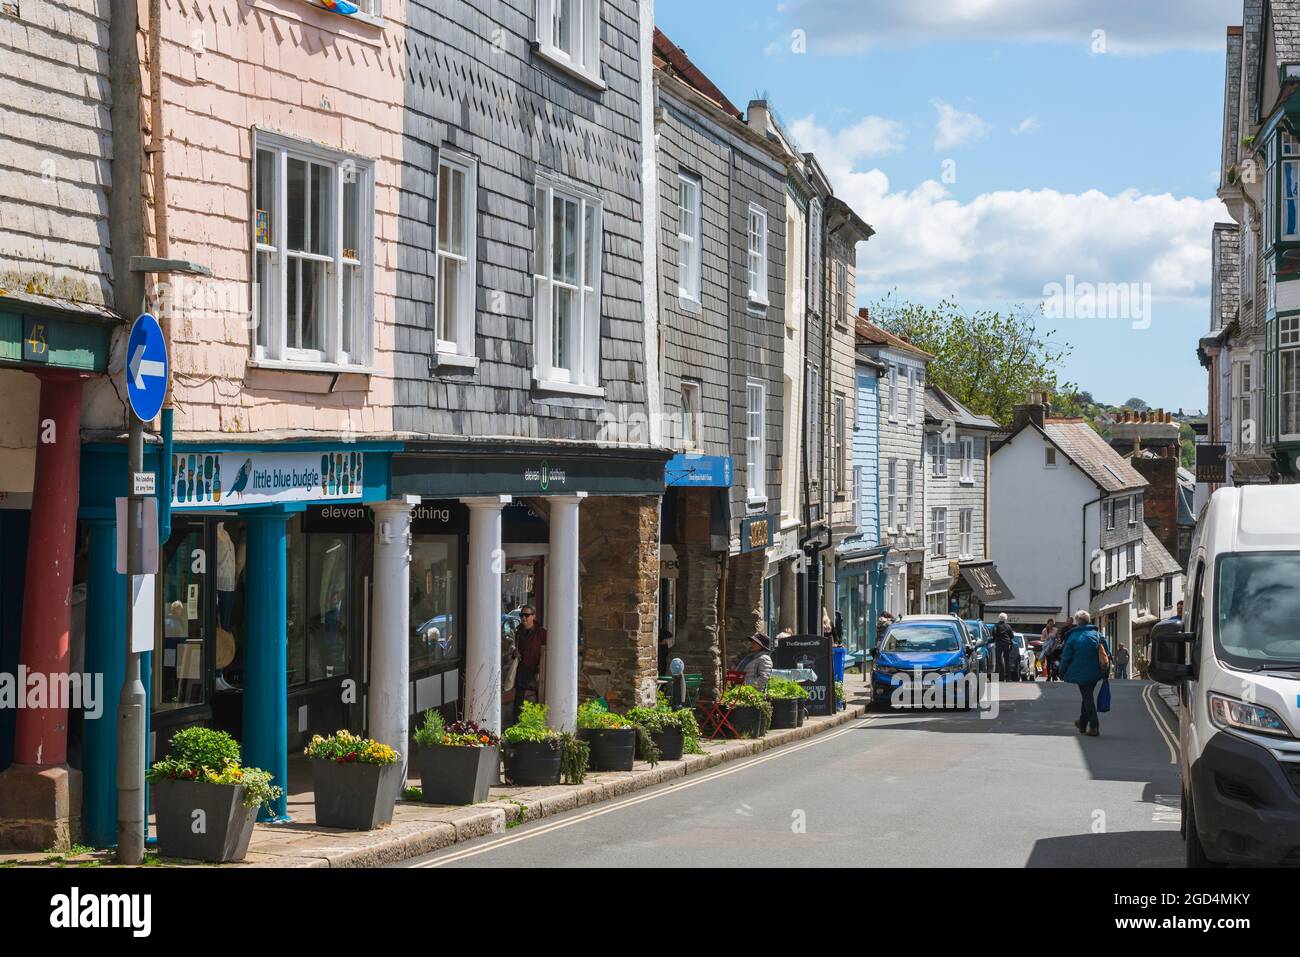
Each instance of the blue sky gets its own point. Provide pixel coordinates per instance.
(999, 146)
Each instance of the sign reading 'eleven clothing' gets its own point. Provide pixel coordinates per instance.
(235, 479)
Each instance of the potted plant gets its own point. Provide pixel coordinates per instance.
(672, 733)
(457, 763)
(202, 782)
(356, 780)
(533, 749)
(785, 696)
(750, 710)
(611, 737)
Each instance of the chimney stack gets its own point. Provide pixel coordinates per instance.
(1036, 409)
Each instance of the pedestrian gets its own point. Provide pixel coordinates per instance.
(1049, 637)
(530, 639)
(1121, 663)
(1004, 640)
(757, 665)
(1085, 662)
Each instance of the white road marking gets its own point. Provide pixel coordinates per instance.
(1167, 810)
(597, 812)
(1170, 739)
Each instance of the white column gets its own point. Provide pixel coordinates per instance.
(388, 695)
(562, 613)
(483, 614)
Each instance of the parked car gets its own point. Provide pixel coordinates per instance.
(1026, 658)
(938, 648)
(983, 636)
(1235, 656)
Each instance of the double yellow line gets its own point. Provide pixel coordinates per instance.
(1166, 732)
(691, 782)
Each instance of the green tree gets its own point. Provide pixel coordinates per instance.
(988, 361)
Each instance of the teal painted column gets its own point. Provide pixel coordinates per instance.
(266, 692)
(105, 656)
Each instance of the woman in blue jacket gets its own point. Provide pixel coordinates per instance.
(1081, 665)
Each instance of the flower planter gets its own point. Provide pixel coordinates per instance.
(533, 763)
(803, 711)
(456, 775)
(226, 827)
(353, 795)
(670, 743)
(785, 713)
(749, 722)
(612, 749)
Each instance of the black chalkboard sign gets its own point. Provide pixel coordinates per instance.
(816, 653)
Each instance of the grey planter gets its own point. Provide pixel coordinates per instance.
(223, 827)
(785, 713)
(355, 796)
(534, 763)
(456, 775)
(612, 749)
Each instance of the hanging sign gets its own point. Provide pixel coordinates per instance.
(242, 478)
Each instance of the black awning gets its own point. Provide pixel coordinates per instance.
(986, 583)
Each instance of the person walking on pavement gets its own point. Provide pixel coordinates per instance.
(1048, 646)
(530, 639)
(1004, 641)
(1085, 662)
(1121, 663)
(757, 665)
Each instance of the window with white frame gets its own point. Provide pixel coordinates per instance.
(913, 388)
(939, 532)
(894, 385)
(1247, 259)
(856, 495)
(1113, 558)
(813, 379)
(758, 255)
(1110, 514)
(909, 519)
(938, 456)
(840, 307)
(1133, 501)
(1130, 559)
(690, 425)
(966, 529)
(839, 453)
(1243, 385)
(688, 236)
(1167, 584)
(313, 214)
(1288, 372)
(967, 445)
(568, 33)
(454, 288)
(891, 502)
(756, 441)
(1289, 209)
(566, 276)
(815, 278)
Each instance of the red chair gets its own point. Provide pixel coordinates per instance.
(716, 720)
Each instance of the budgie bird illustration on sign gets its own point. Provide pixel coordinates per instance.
(241, 478)
(340, 6)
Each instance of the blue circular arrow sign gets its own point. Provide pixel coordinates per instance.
(146, 367)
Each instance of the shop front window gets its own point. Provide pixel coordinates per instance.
(435, 592)
(328, 575)
(179, 682)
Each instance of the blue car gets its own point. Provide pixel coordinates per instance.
(938, 645)
(982, 634)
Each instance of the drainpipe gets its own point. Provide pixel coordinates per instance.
(157, 154)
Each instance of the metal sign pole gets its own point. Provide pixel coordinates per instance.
(132, 701)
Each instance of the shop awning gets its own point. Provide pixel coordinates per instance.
(986, 583)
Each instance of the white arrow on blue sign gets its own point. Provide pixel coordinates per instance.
(146, 367)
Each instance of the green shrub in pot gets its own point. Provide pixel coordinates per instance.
(785, 696)
(611, 737)
(751, 711)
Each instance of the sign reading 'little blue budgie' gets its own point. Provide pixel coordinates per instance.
(240, 478)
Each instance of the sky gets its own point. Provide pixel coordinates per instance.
(1007, 151)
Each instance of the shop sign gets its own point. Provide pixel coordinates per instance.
(814, 652)
(1211, 464)
(242, 478)
(698, 471)
(756, 532)
(519, 523)
(443, 475)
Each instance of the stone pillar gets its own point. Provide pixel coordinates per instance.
(265, 741)
(105, 655)
(562, 613)
(40, 796)
(699, 642)
(388, 695)
(620, 599)
(483, 612)
(744, 602)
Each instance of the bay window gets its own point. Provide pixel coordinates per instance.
(1289, 375)
(757, 255)
(313, 265)
(688, 237)
(457, 235)
(567, 241)
(568, 34)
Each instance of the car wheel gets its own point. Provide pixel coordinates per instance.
(1196, 856)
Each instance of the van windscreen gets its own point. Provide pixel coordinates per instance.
(1258, 609)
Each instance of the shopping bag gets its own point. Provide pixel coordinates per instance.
(1103, 697)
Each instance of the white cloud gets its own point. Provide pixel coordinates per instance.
(1028, 125)
(1007, 245)
(870, 136)
(1131, 27)
(955, 128)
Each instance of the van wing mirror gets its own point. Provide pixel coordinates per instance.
(1169, 653)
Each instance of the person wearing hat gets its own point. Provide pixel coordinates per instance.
(757, 665)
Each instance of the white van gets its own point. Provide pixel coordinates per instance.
(1236, 660)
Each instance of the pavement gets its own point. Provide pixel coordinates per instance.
(901, 788)
(419, 829)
